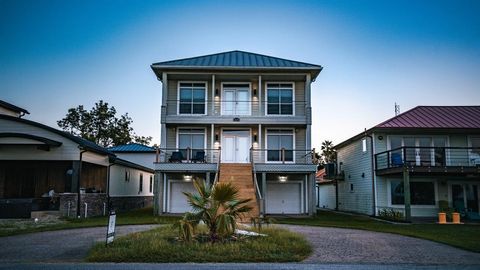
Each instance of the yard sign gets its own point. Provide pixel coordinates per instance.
(111, 227)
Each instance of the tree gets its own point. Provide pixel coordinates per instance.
(218, 207)
(101, 125)
(328, 154)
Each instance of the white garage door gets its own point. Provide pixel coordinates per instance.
(178, 201)
(283, 198)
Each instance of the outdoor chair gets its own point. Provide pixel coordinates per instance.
(199, 156)
(176, 157)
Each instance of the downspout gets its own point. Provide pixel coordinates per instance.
(79, 180)
(373, 173)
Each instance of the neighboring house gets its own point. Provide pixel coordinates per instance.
(433, 149)
(137, 153)
(35, 159)
(12, 110)
(237, 117)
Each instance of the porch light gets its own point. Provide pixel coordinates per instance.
(216, 92)
(187, 177)
(282, 178)
(255, 91)
(216, 137)
(255, 138)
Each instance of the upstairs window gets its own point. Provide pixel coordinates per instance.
(150, 189)
(280, 99)
(192, 98)
(140, 186)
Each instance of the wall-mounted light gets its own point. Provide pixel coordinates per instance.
(216, 92)
(363, 175)
(216, 137)
(282, 178)
(255, 138)
(187, 177)
(255, 91)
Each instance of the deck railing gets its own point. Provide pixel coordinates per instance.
(188, 155)
(283, 156)
(428, 157)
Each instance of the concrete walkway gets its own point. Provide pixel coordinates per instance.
(345, 246)
(57, 246)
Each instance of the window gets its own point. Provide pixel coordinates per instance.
(421, 193)
(475, 145)
(151, 184)
(127, 176)
(140, 186)
(193, 139)
(278, 140)
(364, 145)
(280, 98)
(192, 98)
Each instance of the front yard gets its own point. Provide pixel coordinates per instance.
(21, 226)
(159, 245)
(461, 236)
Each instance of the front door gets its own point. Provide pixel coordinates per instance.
(236, 146)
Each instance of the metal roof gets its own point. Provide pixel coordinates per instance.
(13, 107)
(436, 117)
(132, 147)
(428, 118)
(237, 60)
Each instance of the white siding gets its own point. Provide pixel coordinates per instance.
(144, 159)
(355, 162)
(119, 187)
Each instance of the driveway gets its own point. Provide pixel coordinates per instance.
(345, 246)
(57, 246)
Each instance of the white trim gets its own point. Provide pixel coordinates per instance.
(249, 95)
(239, 129)
(178, 98)
(266, 144)
(266, 98)
(417, 206)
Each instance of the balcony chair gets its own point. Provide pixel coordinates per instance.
(199, 157)
(176, 157)
(397, 159)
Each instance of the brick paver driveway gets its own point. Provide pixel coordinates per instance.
(334, 245)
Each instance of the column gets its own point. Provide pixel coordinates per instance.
(406, 193)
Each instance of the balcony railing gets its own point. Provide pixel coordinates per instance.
(236, 108)
(433, 157)
(187, 155)
(282, 156)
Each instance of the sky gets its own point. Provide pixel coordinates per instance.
(55, 55)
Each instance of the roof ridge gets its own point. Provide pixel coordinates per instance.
(189, 58)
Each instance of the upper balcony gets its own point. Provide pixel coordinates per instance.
(429, 160)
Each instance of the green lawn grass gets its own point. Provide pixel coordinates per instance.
(461, 236)
(141, 216)
(159, 245)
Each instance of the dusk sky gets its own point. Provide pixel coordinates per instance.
(55, 55)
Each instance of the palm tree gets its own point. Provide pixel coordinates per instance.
(218, 207)
(328, 153)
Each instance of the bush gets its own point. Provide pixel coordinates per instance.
(391, 214)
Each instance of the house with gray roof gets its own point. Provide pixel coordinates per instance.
(419, 162)
(237, 117)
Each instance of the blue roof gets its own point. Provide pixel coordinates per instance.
(237, 60)
(132, 147)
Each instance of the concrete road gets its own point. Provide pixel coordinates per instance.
(57, 246)
(230, 266)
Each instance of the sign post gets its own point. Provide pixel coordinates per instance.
(111, 227)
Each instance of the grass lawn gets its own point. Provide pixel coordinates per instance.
(461, 236)
(158, 245)
(141, 216)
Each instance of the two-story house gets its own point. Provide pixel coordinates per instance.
(237, 117)
(416, 162)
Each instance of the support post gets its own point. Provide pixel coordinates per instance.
(406, 193)
(158, 193)
(264, 191)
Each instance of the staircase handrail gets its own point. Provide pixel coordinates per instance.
(218, 166)
(255, 181)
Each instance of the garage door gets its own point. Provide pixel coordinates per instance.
(178, 201)
(283, 198)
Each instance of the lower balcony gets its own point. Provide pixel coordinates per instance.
(429, 161)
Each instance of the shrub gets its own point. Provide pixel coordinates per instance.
(391, 214)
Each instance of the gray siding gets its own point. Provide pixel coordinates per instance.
(354, 163)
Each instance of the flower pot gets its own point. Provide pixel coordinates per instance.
(456, 218)
(442, 218)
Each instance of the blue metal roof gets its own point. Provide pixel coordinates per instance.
(131, 147)
(237, 59)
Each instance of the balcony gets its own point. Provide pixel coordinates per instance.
(429, 160)
(283, 160)
(191, 160)
(246, 112)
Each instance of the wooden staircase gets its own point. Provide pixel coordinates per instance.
(241, 176)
